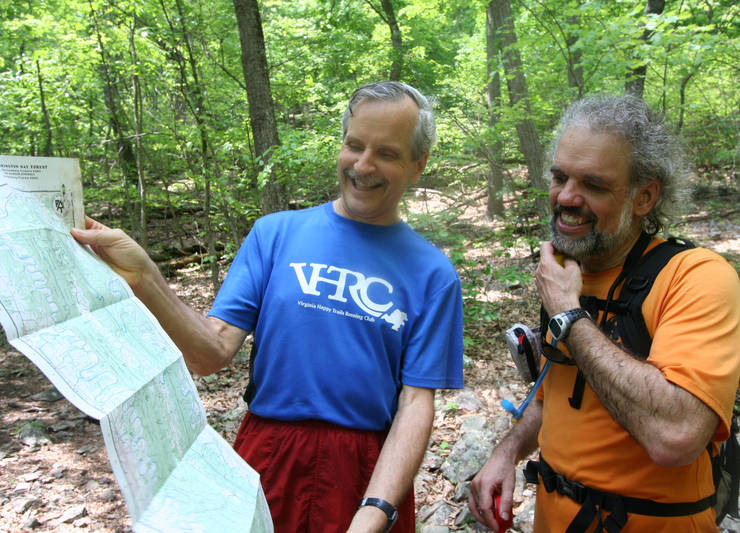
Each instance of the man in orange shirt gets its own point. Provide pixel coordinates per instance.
(629, 453)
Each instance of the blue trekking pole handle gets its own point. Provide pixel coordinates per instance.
(516, 414)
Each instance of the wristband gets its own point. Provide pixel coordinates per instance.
(388, 508)
(559, 325)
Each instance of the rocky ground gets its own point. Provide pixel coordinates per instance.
(54, 470)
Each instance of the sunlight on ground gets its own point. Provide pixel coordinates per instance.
(471, 220)
(492, 295)
(728, 246)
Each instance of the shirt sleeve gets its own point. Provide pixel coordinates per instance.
(240, 297)
(434, 355)
(696, 330)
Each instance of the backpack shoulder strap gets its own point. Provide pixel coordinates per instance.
(638, 282)
(639, 273)
(733, 467)
(251, 389)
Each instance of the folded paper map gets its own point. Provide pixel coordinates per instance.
(79, 322)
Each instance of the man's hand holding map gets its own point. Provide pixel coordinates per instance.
(79, 322)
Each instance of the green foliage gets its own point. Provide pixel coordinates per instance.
(78, 55)
(306, 161)
(440, 229)
(512, 275)
(451, 408)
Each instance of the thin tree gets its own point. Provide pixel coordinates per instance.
(573, 57)
(137, 114)
(636, 75)
(570, 32)
(116, 119)
(388, 14)
(495, 176)
(47, 149)
(192, 91)
(529, 142)
(259, 95)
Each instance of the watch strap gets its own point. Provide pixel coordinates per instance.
(570, 317)
(387, 507)
(578, 313)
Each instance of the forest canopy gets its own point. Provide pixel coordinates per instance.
(152, 95)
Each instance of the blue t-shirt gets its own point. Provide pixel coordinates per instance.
(343, 314)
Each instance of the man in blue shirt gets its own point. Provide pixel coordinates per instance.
(356, 321)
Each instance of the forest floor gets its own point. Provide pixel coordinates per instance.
(54, 470)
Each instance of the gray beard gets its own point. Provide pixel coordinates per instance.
(595, 243)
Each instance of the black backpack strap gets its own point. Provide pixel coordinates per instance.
(638, 283)
(251, 389)
(593, 501)
(579, 386)
(733, 467)
(638, 273)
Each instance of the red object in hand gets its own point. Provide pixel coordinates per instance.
(503, 525)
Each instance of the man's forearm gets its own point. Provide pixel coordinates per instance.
(498, 473)
(401, 455)
(670, 423)
(206, 344)
(521, 440)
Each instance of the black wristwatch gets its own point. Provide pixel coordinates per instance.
(560, 324)
(387, 507)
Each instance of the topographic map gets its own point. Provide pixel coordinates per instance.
(56, 182)
(102, 349)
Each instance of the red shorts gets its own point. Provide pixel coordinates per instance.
(314, 473)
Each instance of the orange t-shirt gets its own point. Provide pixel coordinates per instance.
(693, 316)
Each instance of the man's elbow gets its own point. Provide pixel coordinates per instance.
(200, 369)
(214, 348)
(208, 364)
(677, 447)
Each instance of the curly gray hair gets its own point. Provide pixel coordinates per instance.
(425, 133)
(656, 152)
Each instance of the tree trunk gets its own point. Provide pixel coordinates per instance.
(124, 148)
(388, 15)
(192, 92)
(261, 110)
(682, 92)
(143, 234)
(529, 142)
(396, 40)
(47, 149)
(636, 76)
(495, 177)
(575, 70)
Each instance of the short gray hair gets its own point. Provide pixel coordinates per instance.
(425, 133)
(656, 152)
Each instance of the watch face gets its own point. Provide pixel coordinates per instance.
(555, 328)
